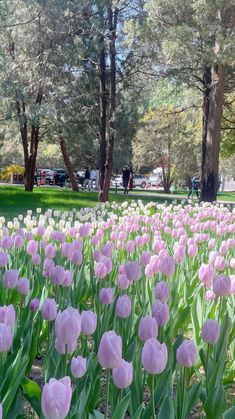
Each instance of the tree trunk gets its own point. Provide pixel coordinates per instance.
(102, 107)
(68, 163)
(112, 19)
(213, 99)
(30, 149)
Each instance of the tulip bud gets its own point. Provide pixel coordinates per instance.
(78, 366)
(210, 331)
(110, 350)
(56, 398)
(34, 304)
(88, 322)
(160, 312)
(186, 354)
(68, 325)
(3, 259)
(32, 247)
(154, 356)
(7, 315)
(10, 279)
(147, 328)
(63, 348)
(123, 307)
(49, 309)
(222, 285)
(123, 375)
(205, 274)
(106, 296)
(133, 271)
(23, 286)
(162, 291)
(5, 337)
(166, 265)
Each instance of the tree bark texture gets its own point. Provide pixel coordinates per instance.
(102, 109)
(68, 163)
(29, 140)
(213, 101)
(112, 20)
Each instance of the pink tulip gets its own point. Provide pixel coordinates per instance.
(167, 265)
(63, 348)
(88, 322)
(56, 398)
(206, 274)
(97, 255)
(5, 337)
(123, 282)
(7, 315)
(50, 251)
(49, 309)
(232, 277)
(162, 291)
(123, 307)
(145, 258)
(6, 242)
(107, 249)
(3, 259)
(147, 328)
(23, 286)
(106, 296)
(34, 304)
(68, 325)
(68, 279)
(130, 246)
(186, 354)
(110, 350)
(48, 266)
(32, 247)
(17, 241)
(123, 375)
(10, 279)
(179, 254)
(232, 263)
(154, 356)
(57, 275)
(193, 250)
(77, 258)
(133, 271)
(36, 259)
(78, 366)
(222, 285)
(210, 295)
(160, 312)
(211, 331)
(219, 263)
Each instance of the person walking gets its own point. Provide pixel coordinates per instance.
(87, 179)
(125, 179)
(131, 180)
(97, 179)
(92, 178)
(195, 185)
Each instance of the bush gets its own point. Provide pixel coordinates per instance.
(6, 173)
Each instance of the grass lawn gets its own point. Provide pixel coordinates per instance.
(14, 200)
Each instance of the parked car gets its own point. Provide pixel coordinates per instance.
(116, 181)
(155, 180)
(60, 176)
(140, 181)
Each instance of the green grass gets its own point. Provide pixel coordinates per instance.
(15, 201)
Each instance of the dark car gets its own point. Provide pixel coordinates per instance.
(60, 176)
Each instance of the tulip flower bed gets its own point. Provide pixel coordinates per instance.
(130, 307)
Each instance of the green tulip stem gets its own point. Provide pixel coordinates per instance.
(183, 390)
(107, 395)
(153, 401)
(207, 368)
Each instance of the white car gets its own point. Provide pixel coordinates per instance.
(140, 181)
(116, 181)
